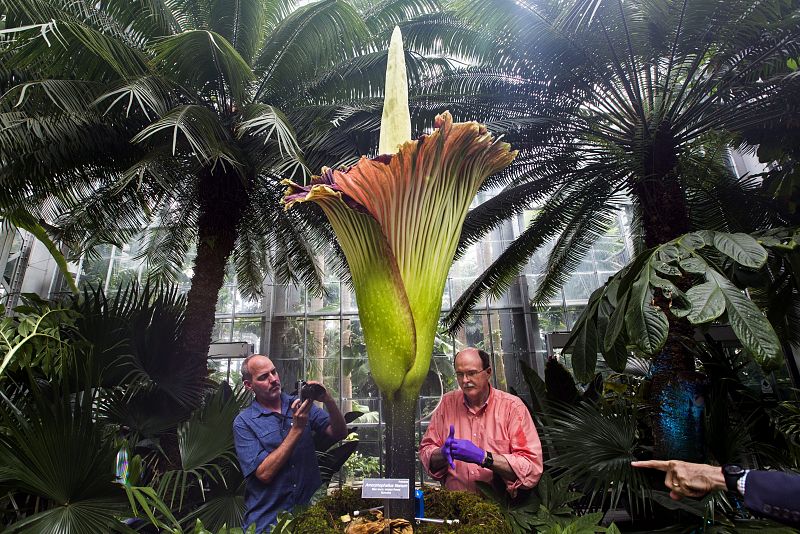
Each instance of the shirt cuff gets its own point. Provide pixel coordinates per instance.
(528, 473)
(740, 484)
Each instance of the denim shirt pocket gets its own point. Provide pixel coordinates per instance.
(270, 438)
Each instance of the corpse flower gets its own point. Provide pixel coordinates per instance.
(398, 218)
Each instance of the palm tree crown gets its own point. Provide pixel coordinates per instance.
(617, 102)
(183, 116)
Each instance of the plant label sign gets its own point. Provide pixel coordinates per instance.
(385, 488)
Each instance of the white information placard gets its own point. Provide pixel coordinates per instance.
(385, 488)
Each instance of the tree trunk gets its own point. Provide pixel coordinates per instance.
(676, 394)
(400, 413)
(221, 198)
(676, 389)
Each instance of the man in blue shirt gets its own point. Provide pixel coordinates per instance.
(275, 445)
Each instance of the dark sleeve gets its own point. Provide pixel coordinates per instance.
(318, 419)
(774, 495)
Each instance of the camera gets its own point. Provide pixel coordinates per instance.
(309, 391)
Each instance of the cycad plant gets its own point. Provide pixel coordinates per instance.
(622, 102)
(182, 117)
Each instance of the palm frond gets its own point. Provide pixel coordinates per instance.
(315, 35)
(242, 23)
(205, 59)
(81, 491)
(267, 122)
(74, 50)
(205, 449)
(382, 17)
(199, 127)
(72, 97)
(577, 238)
(491, 214)
(289, 247)
(150, 94)
(148, 18)
(596, 447)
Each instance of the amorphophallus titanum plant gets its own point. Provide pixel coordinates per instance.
(398, 218)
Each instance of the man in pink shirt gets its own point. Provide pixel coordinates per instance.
(478, 431)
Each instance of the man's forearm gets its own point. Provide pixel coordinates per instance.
(503, 468)
(337, 422)
(275, 460)
(437, 462)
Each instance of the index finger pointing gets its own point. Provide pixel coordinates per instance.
(452, 431)
(661, 465)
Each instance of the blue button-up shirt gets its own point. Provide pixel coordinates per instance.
(257, 432)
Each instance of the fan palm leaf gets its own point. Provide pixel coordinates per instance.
(206, 448)
(56, 451)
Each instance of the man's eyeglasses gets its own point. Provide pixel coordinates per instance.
(469, 374)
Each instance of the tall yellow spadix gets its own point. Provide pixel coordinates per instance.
(396, 119)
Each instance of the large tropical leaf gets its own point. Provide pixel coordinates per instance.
(749, 324)
(206, 446)
(55, 450)
(625, 307)
(597, 447)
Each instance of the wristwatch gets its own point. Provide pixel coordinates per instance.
(488, 462)
(732, 474)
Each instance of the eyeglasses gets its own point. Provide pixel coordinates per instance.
(469, 374)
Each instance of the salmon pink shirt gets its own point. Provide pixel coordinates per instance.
(502, 426)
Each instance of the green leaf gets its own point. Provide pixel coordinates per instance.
(707, 301)
(87, 515)
(668, 253)
(694, 265)
(666, 268)
(202, 58)
(616, 323)
(589, 312)
(621, 291)
(691, 241)
(584, 353)
(741, 248)
(207, 139)
(646, 324)
(749, 324)
(669, 288)
(617, 356)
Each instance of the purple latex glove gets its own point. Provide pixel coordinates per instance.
(446, 447)
(466, 451)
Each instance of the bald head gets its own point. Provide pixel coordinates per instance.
(472, 351)
(246, 372)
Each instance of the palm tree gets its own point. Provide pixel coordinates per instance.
(617, 102)
(182, 117)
